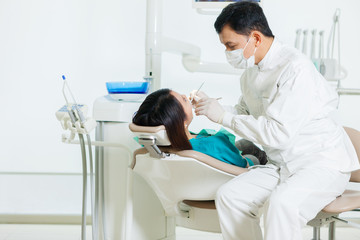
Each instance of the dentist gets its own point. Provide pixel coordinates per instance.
(284, 107)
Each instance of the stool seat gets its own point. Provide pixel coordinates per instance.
(206, 204)
(348, 201)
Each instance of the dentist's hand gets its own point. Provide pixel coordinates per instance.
(195, 96)
(211, 108)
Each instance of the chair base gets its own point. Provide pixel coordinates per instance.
(200, 215)
(320, 220)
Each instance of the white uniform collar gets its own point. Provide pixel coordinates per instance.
(268, 61)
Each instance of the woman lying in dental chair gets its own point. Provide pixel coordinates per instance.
(174, 111)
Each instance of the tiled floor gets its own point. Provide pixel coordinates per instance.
(72, 232)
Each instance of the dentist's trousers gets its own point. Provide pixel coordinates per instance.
(291, 201)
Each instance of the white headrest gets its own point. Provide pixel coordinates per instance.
(158, 132)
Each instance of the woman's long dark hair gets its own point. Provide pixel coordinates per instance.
(162, 108)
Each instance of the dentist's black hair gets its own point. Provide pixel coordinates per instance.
(243, 17)
(162, 108)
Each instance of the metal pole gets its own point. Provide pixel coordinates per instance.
(332, 230)
(101, 180)
(316, 233)
(84, 167)
(96, 204)
(348, 91)
(153, 43)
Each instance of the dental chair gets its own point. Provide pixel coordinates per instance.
(348, 201)
(186, 182)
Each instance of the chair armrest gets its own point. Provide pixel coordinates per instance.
(213, 162)
(201, 157)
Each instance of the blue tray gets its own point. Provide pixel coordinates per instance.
(127, 87)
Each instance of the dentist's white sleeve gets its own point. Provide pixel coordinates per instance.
(300, 96)
(238, 109)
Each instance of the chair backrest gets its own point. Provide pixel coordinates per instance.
(162, 140)
(355, 139)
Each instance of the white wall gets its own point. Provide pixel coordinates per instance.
(92, 42)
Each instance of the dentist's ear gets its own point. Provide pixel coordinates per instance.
(257, 37)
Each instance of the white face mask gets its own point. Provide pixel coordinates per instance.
(237, 60)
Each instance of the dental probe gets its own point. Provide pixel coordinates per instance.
(199, 88)
(197, 92)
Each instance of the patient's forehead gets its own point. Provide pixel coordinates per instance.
(175, 94)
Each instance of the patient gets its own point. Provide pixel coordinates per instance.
(174, 111)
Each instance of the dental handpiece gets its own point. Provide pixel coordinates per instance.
(304, 49)
(76, 106)
(297, 40)
(313, 40)
(321, 44)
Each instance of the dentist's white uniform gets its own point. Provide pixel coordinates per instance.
(285, 107)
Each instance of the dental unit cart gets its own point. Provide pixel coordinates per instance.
(123, 206)
(131, 208)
